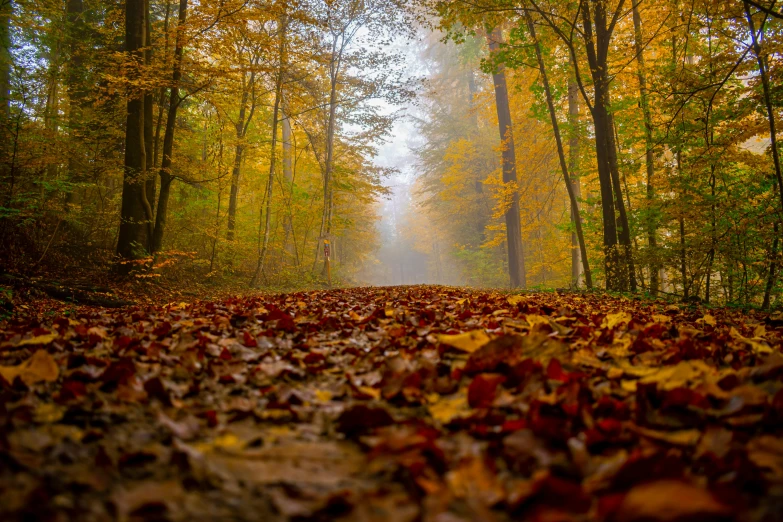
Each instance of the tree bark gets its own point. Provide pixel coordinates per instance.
(241, 129)
(288, 178)
(572, 196)
(577, 269)
(597, 46)
(649, 158)
(273, 153)
(150, 179)
(6, 64)
(334, 75)
(6, 12)
(516, 261)
(162, 92)
(624, 229)
(135, 224)
(773, 146)
(166, 177)
(75, 87)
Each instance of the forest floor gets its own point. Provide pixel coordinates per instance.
(392, 404)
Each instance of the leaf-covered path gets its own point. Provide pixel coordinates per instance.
(394, 404)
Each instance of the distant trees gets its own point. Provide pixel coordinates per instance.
(148, 128)
(677, 153)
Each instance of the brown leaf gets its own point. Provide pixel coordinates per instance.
(671, 500)
(41, 367)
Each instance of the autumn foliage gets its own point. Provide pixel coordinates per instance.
(411, 403)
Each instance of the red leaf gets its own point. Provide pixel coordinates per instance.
(482, 390)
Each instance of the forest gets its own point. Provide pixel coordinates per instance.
(391, 261)
(627, 146)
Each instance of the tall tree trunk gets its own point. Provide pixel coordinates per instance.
(150, 178)
(166, 177)
(243, 121)
(334, 75)
(683, 249)
(135, 224)
(516, 260)
(649, 157)
(7, 176)
(235, 172)
(773, 144)
(572, 196)
(597, 46)
(6, 12)
(577, 269)
(288, 178)
(75, 83)
(273, 152)
(624, 229)
(162, 91)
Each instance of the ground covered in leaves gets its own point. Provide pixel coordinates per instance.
(394, 404)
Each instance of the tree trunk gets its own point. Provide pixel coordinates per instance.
(516, 261)
(572, 196)
(577, 269)
(334, 74)
(162, 92)
(166, 177)
(597, 50)
(241, 128)
(6, 12)
(773, 145)
(288, 178)
(273, 153)
(135, 224)
(234, 195)
(649, 158)
(624, 229)
(75, 86)
(6, 64)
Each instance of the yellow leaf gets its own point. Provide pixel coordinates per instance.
(48, 413)
(680, 374)
(40, 367)
(613, 320)
(371, 392)
(228, 441)
(760, 331)
(710, 320)
(533, 319)
(41, 339)
(629, 386)
(447, 408)
(758, 345)
(514, 300)
(466, 342)
(323, 395)
(660, 318)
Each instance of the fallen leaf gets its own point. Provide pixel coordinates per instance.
(38, 368)
(467, 342)
(514, 300)
(618, 318)
(39, 339)
(667, 500)
(447, 408)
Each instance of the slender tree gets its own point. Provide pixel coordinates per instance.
(516, 260)
(572, 196)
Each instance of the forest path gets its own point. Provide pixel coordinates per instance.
(394, 404)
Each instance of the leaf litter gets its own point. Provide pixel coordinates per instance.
(408, 403)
